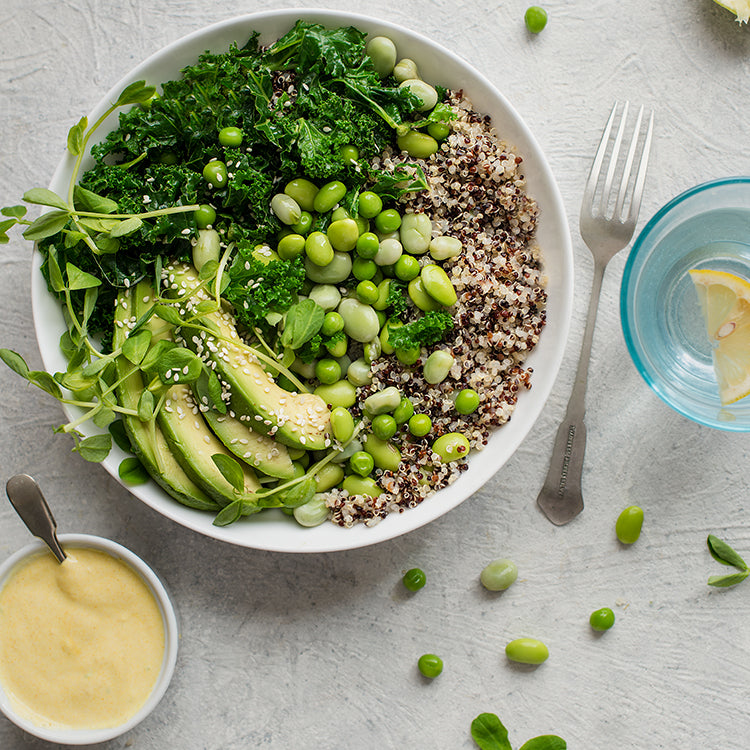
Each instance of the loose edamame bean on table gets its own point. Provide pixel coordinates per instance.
(629, 524)
(527, 651)
(602, 619)
(414, 579)
(499, 575)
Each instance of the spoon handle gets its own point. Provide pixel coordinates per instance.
(28, 500)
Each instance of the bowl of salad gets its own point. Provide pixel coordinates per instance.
(295, 274)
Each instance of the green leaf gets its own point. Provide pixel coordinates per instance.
(132, 471)
(46, 225)
(126, 227)
(76, 135)
(208, 270)
(73, 237)
(15, 361)
(17, 212)
(98, 224)
(298, 495)
(169, 314)
(545, 742)
(136, 93)
(45, 381)
(489, 733)
(136, 345)
(45, 197)
(55, 274)
(229, 514)
(104, 417)
(94, 368)
(78, 279)
(146, 404)
(75, 380)
(724, 553)
(87, 200)
(107, 245)
(731, 579)
(179, 365)
(6, 225)
(303, 321)
(120, 436)
(230, 470)
(215, 392)
(89, 303)
(154, 354)
(94, 449)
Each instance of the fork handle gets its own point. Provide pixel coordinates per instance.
(561, 498)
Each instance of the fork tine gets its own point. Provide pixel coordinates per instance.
(596, 166)
(640, 179)
(613, 159)
(623, 191)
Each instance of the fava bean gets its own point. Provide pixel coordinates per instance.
(360, 321)
(404, 411)
(602, 619)
(359, 373)
(230, 136)
(332, 322)
(437, 366)
(205, 216)
(327, 477)
(206, 248)
(419, 425)
(361, 463)
(499, 575)
(382, 51)
(383, 401)
(426, 94)
(415, 233)
(342, 393)
(372, 350)
(327, 371)
(467, 401)
(419, 296)
(385, 455)
(405, 69)
(342, 424)
(343, 234)
(336, 271)
(286, 209)
(356, 485)
(416, 144)
(388, 220)
(444, 247)
(384, 288)
(313, 512)
(290, 246)
(389, 251)
(370, 204)
(385, 344)
(451, 447)
(352, 447)
(327, 296)
(438, 285)
(527, 651)
(318, 249)
(629, 524)
(328, 196)
(215, 174)
(306, 369)
(384, 426)
(303, 191)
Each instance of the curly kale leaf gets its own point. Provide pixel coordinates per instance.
(425, 331)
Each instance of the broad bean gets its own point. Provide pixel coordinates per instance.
(423, 91)
(389, 251)
(415, 233)
(313, 512)
(417, 144)
(382, 51)
(327, 296)
(335, 272)
(451, 447)
(444, 247)
(419, 296)
(286, 209)
(360, 321)
(327, 477)
(405, 69)
(437, 366)
(438, 285)
(383, 401)
(206, 248)
(359, 373)
(356, 485)
(341, 393)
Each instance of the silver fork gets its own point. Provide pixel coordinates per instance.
(606, 229)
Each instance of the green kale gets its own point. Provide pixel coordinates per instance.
(425, 331)
(397, 301)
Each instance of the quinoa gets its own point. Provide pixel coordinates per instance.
(477, 193)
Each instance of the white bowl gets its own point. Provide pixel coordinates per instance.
(272, 530)
(171, 638)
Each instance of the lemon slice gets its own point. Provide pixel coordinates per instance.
(740, 8)
(725, 302)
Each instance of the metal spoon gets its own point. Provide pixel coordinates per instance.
(26, 497)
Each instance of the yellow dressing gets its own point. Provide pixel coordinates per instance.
(81, 643)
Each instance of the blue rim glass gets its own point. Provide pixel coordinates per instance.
(723, 418)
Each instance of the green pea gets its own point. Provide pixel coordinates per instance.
(451, 447)
(363, 269)
(444, 247)
(385, 454)
(419, 425)
(419, 296)
(349, 154)
(416, 144)
(304, 225)
(439, 130)
(426, 94)
(318, 249)
(367, 245)
(230, 136)
(343, 234)
(438, 285)
(535, 18)
(206, 248)
(337, 347)
(356, 485)
(389, 251)
(382, 402)
(404, 411)
(327, 371)
(335, 272)
(408, 356)
(499, 575)
(361, 463)
(205, 216)
(430, 665)
(332, 323)
(327, 477)
(467, 401)
(359, 373)
(342, 424)
(407, 268)
(405, 69)
(602, 619)
(382, 51)
(328, 196)
(327, 296)
(384, 426)
(370, 204)
(313, 512)
(215, 174)
(290, 246)
(437, 366)
(388, 220)
(168, 157)
(414, 579)
(360, 320)
(367, 292)
(303, 191)
(629, 523)
(527, 651)
(342, 393)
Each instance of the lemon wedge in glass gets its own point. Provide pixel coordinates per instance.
(740, 8)
(725, 302)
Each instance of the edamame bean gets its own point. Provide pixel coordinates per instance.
(384, 288)
(356, 485)
(290, 246)
(230, 136)
(385, 455)
(313, 512)
(423, 91)
(361, 463)
(206, 248)
(438, 285)
(414, 579)
(286, 209)
(336, 271)
(444, 247)
(304, 225)
(404, 411)
(303, 191)
(327, 296)
(318, 249)
(389, 251)
(342, 424)
(451, 447)
(215, 174)
(405, 69)
(437, 366)
(370, 204)
(372, 350)
(363, 269)
(342, 393)
(332, 322)
(416, 144)
(602, 619)
(527, 651)
(382, 51)
(388, 220)
(349, 154)
(467, 401)
(383, 401)
(419, 425)
(328, 196)
(327, 371)
(205, 216)
(360, 321)
(430, 665)
(439, 130)
(385, 335)
(629, 524)
(327, 477)
(499, 574)
(343, 234)
(359, 373)
(419, 296)
(415, 233)
(367, 245)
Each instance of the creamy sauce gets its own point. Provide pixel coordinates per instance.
(81, 643)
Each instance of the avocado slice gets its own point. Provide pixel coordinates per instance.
(299, 420)
(147, 440)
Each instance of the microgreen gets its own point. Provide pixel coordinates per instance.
(490, 734)
(722, 552)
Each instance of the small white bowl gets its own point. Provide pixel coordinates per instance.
(64, 736)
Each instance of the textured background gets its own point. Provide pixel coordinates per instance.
(319, 651)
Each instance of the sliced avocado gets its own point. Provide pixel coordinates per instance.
(147, 439)
(299, 420)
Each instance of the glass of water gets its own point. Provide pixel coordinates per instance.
(707, 227)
